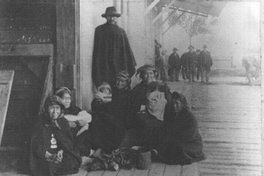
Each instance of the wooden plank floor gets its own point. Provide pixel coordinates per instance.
(157, 169)
(229, 118)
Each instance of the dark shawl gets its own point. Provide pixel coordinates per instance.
(73, 110)
(110, 120)
(182, 143)
(40, 143)
(138, 97)
(112, 53)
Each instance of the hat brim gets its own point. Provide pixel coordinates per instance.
(112, 14)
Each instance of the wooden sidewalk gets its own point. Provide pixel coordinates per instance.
(157, 169)
(229, 119)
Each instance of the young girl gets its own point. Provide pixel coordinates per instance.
(78, 120)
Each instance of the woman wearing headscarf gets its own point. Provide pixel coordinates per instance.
(110, 120)
(53, 151)
(147, 74)
(158, 98)
(150, 121)
(78, 120)
(182, 142)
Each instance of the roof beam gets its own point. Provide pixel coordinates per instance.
(151, 6)
(168, 17)
(162, 11)
(173, 25)
(188, 11)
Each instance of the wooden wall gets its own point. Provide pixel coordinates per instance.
(65, 54)
(27, 21)
(43, 22)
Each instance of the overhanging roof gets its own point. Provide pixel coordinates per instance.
(205, 7)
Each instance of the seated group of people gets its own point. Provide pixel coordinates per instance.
(149, 115)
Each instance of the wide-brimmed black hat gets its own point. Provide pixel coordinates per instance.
(111, 11)
(175, 49)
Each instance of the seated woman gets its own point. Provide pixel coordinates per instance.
(78, 121)
(110, 119)
(182, 142)
(53, 151)
(150, 121)
(169, 127)
(148, 74)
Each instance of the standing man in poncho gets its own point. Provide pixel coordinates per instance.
(112, 52)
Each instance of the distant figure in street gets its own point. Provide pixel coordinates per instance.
(164, 58)
(205, 62)
(246, 64)
(174, 65)
(198, 68)
(257, 68)
(112, 51)
(158, 60)
(188, 59)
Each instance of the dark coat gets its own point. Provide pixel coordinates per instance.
(205, 59)
(182, 143)
(189, 59)
(40, 143)
(111, 53)
(174, 62)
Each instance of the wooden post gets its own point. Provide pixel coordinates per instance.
(151, 6)
(262, 80)
(65, 55)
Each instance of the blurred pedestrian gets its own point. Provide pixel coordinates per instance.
(197, 64)
(205, 61)
(188, 60)
(174, 65)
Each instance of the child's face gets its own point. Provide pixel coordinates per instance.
(177, 105)
(54, 111)
(105, 91)
(66, 100)
(121, 83)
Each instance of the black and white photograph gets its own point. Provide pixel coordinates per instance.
(131, 88)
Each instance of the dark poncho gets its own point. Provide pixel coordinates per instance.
(111, 54)
(110, 121)
(40, 143)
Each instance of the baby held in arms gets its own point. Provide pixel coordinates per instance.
(104, 93)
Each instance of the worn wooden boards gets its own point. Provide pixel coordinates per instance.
(6, 81)
(157, 169)
(229, 119)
